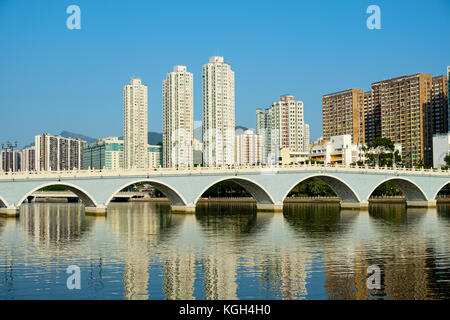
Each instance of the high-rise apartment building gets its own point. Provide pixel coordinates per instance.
(56, 153)
(248, 149)
(260, 120)
(448, 95)
(372, 118)
(436, 114)
(306, 139)
(106, 153)
(404, 103)
(282, 126)
(28, 159)
(439, 105)
(135, 124)
(10, 160)
(178, 118)
(343, 113)
(262, 124)
(218, 113)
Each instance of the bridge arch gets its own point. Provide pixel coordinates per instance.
(85, 197)
(440, 189)
(410, 190)
(3, 203)
(342, 189)
(258, 192)
(170, 192)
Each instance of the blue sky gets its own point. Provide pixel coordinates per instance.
(54, 79)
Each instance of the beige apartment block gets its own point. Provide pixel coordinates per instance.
(343, 113)
(135, 110)
(403, 102)
(178, 118)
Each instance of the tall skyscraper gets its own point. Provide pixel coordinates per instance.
(135, 124)
(284, 127)
(218, 113)
(404, 103)
(343, 113)
(56, 153)
(178, 118)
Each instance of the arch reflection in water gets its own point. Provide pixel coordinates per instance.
(141, 250)
(318, 220)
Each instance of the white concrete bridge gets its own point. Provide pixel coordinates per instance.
(268, 185)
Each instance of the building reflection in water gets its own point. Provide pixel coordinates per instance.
(179, 274)
(138, 229)
(326, 227)
(224, 225)
(232, 251)
(58, 224)
(7, 288)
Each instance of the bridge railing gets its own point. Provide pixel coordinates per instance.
(215, 170)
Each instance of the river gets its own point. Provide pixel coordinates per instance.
(225, 251)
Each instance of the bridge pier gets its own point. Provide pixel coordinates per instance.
(270, 207)
(10, 211)
(421, 204)
(362, 205)
(95, 211)
(189, 208)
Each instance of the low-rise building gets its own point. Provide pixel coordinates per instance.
(292, 157)
(198, 152)
(337, 150)
(154, 156)
(106, 153)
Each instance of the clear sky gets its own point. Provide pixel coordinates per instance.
(54, 79)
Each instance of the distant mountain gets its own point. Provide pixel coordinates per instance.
(29, 145)
(153, 138)
(240, 129)
(67, 134)
(198, 134)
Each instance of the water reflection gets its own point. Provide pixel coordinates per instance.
(143, 251)
(59, 224)
(230, 223)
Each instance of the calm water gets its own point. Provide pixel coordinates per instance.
(142, 251)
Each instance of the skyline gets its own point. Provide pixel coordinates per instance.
(269, 59)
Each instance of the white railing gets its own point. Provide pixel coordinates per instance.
(218, 170)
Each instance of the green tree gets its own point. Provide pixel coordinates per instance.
(382, 152)
(447, 160)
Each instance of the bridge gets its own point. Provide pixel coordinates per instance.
(269, 186)
(70, 194)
